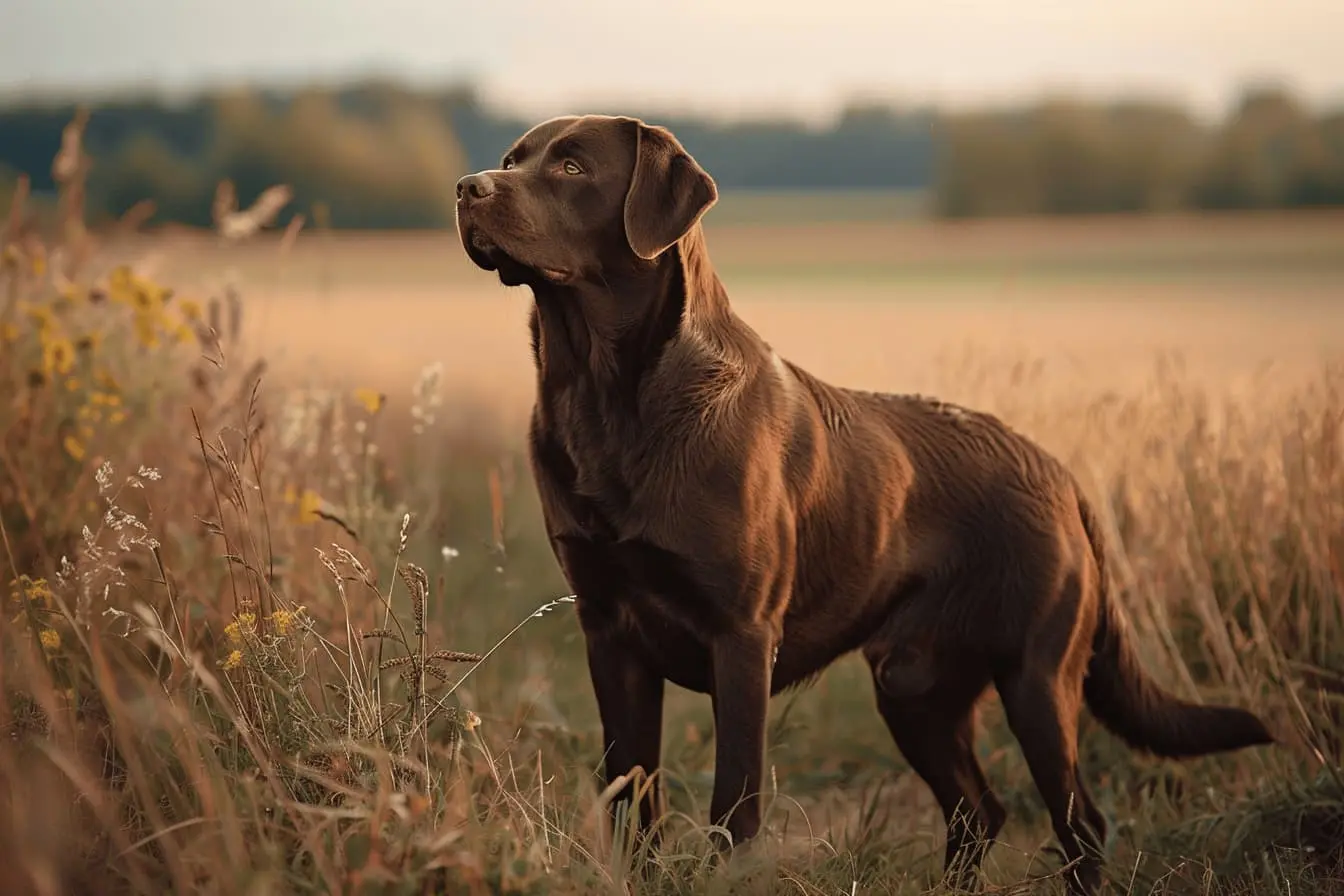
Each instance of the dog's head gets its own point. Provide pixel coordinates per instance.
(582, 199)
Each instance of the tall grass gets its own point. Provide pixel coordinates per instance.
(233, 651)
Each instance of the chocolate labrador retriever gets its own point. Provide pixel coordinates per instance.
(731, 523)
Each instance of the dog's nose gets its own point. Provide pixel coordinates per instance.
(475, 186)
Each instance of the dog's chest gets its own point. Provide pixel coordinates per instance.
(602, 468)
(601, 455)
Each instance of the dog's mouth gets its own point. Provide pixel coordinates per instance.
(488, 255)
(482, 252)
(557, 275)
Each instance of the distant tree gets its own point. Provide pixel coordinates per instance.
(1154, 151)
(1066, 157)
(1270, 153)
(985, 166)
(395, 165)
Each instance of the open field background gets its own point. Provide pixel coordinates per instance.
(1186, 366)
(886, 301)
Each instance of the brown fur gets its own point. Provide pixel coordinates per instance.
(733, 524)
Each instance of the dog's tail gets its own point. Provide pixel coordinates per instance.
(1133, 706)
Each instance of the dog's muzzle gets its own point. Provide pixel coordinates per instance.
(475, 187)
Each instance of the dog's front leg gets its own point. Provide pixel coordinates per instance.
(629, 692)
(630, 703)
(742, 669)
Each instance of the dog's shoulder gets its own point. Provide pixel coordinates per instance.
(837, 407)
(710, 379)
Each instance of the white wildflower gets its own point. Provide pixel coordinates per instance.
(103, 476)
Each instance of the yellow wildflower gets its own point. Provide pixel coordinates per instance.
(146, 331)
(372, 399)
(244, 624)
(58, 356)
(41, 315)
(90, 342)
(190, 309)
(145, 300)
(73, 447)
(39, 264)
(9, 332)
(35, 589)
(117, 417)
(310, 502)
(183, 333)
(283, 620)
(119, 285)
(146, 295)
(234, 660)
(72, 384)
(50, 638)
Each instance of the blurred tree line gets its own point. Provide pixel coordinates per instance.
(376, 155)
(1066, 157)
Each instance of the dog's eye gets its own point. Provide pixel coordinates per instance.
(572, 167)
(507, 163)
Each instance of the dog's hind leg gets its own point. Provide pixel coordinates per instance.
(935, 732)
(1042, 698)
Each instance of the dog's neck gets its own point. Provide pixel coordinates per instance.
(612, 333)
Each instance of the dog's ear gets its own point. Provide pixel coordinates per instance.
(669, 191)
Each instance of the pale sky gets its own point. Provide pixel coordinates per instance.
(546, 56)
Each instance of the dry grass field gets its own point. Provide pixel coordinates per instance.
(880, 304)
(228, 651)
